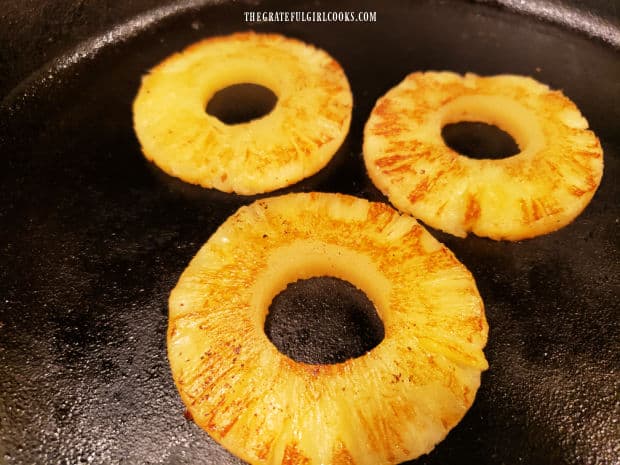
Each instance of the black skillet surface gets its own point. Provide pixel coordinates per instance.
(93, 238)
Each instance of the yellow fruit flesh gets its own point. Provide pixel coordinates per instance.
(390, 405)
(296, 139)
(537, 191)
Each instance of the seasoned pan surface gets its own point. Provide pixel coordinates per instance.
(93, 238)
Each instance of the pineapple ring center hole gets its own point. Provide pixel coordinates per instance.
(323, 320)
(241, 103)
(479, 140)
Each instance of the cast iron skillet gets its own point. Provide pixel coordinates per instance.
(93, 238)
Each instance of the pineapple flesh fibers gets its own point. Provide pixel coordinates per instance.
(295, 140)
(390, 405)
(539, 190)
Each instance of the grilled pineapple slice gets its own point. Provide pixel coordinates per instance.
(539, 190)
(296, 139)
(390, 405)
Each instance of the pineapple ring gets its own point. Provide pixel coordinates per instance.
(539, 190)
(295, 140)
(390, 405)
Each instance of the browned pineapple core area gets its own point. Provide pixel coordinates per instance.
(479, 140)
(241, 103)
(323, 320)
